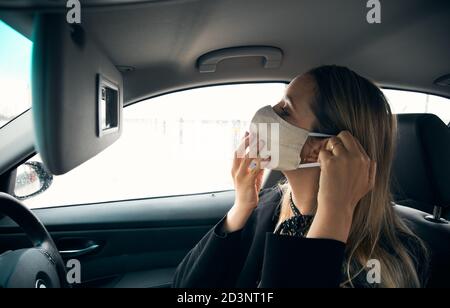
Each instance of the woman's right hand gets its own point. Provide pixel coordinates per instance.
(247, 184)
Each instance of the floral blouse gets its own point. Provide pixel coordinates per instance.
(298, 225)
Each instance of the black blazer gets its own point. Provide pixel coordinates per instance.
(255, 257)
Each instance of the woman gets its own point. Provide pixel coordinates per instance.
(323, 225)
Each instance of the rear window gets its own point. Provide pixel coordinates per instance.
(415, 102)
(15, 73)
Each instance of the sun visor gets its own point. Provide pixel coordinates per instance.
(77, 94)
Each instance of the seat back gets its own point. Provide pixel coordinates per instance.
(437, 239)
(421, 186)
(421, 166)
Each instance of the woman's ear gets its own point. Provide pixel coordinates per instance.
(311, 149)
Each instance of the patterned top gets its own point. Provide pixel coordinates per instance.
(298, 225)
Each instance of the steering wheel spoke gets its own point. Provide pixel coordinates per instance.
(37, 267)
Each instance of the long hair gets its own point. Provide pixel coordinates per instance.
(346, 101)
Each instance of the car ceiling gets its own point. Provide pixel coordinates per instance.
(162, 40)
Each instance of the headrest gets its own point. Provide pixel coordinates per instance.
(421, 167)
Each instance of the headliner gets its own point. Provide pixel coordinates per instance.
(162, 40)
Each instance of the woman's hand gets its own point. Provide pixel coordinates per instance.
(247, 184)
(347, 175)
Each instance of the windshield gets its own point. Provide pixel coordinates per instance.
(15, 73)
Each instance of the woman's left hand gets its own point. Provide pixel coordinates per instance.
(347, 175)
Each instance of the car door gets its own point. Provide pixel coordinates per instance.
(129, 215)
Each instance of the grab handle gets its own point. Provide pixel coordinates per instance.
(272, 57)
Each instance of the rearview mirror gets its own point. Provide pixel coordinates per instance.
(32, 179)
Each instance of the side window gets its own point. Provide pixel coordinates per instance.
(180, 143)
(416, 102)
(15, 73)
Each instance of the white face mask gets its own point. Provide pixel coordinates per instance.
(285, 140)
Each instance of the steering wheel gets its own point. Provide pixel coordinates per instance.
(37, 267)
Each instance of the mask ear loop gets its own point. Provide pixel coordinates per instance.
(319, 135)
(314, 165)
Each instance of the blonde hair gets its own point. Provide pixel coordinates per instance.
(346, 101)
